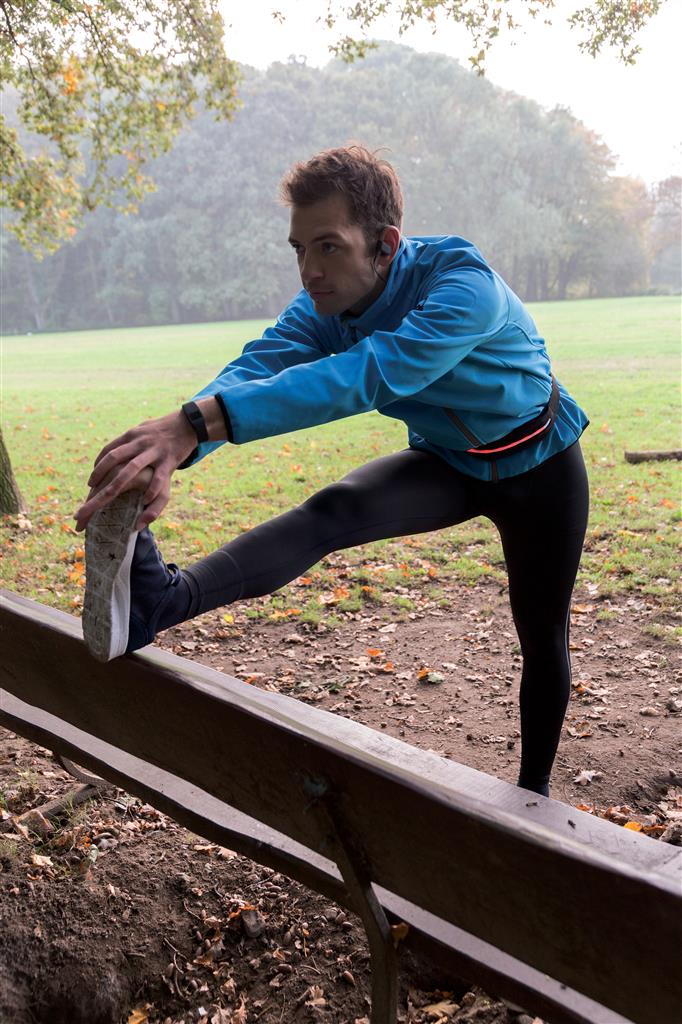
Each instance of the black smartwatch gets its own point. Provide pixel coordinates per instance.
(196, 420)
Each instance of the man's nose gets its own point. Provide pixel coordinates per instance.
(310, 269)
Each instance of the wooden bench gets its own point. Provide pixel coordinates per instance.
(572, 917)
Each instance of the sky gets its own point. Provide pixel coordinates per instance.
(632, 107)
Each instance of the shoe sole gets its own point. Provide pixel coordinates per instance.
(110, 538)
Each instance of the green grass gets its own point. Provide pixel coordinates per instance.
(66, 395)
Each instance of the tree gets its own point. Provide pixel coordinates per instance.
(613, 23)
(114, 81)
(666, 235)
(111, 81)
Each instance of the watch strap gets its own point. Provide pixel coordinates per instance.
(196, 420)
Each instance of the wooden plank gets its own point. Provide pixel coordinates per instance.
(480, 787)
(435, 940)
(675, 455)
(431, 843)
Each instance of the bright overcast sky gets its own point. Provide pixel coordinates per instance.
(633, 108)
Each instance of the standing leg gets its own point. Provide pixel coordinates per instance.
(542, 529)
(405, 493)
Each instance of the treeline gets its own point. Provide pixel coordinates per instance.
(534, 189)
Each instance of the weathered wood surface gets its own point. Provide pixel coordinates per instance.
(653, 456)
(429, 936)
(576, 897)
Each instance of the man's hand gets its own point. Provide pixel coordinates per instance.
(161, 445)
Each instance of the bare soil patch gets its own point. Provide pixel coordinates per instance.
(133, 919)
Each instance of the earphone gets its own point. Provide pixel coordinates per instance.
(383, 248)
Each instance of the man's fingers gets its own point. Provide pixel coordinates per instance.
(127, 478)
(116, 443)
(159, 481)
(114, 458)
(152, 511)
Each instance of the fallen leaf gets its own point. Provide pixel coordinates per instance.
(582, 732)
(427, 675)
(585, 777)
(39, 861)
(140, 1015)
(445, 1008)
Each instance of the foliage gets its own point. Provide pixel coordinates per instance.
(533, 189)
(605, 23)
(100, 88)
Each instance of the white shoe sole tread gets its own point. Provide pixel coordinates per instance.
(110, 538)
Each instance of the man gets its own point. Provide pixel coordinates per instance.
(421, 329)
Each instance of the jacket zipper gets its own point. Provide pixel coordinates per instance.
(469, 434)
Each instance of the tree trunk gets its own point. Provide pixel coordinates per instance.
(11, 500)
(33, 293)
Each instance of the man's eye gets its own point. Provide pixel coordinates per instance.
(328, 247)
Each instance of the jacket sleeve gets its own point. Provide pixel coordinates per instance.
(296, 338)
(460, 311)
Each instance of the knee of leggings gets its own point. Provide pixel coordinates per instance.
(339, 503)
(547, 642)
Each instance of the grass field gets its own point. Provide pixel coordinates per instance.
(65, 395)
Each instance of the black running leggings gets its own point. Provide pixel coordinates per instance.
(541, 516)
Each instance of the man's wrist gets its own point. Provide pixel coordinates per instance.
(214, 418)
(216, 421)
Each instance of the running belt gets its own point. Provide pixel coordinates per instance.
(519, 438)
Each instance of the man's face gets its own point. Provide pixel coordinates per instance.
(335, 265)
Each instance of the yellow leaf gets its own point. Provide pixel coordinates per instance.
(228, 618)
(634, 826)
(139, 1015)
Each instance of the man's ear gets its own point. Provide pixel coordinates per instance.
(387, 246)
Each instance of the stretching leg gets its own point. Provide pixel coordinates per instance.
(405, 493)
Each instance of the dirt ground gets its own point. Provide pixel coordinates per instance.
(112, 913)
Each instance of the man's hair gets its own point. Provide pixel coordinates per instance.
(370, 186)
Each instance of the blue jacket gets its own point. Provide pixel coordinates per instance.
(446, 333)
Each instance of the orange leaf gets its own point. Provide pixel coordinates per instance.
(374, 652)
(634, 826)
